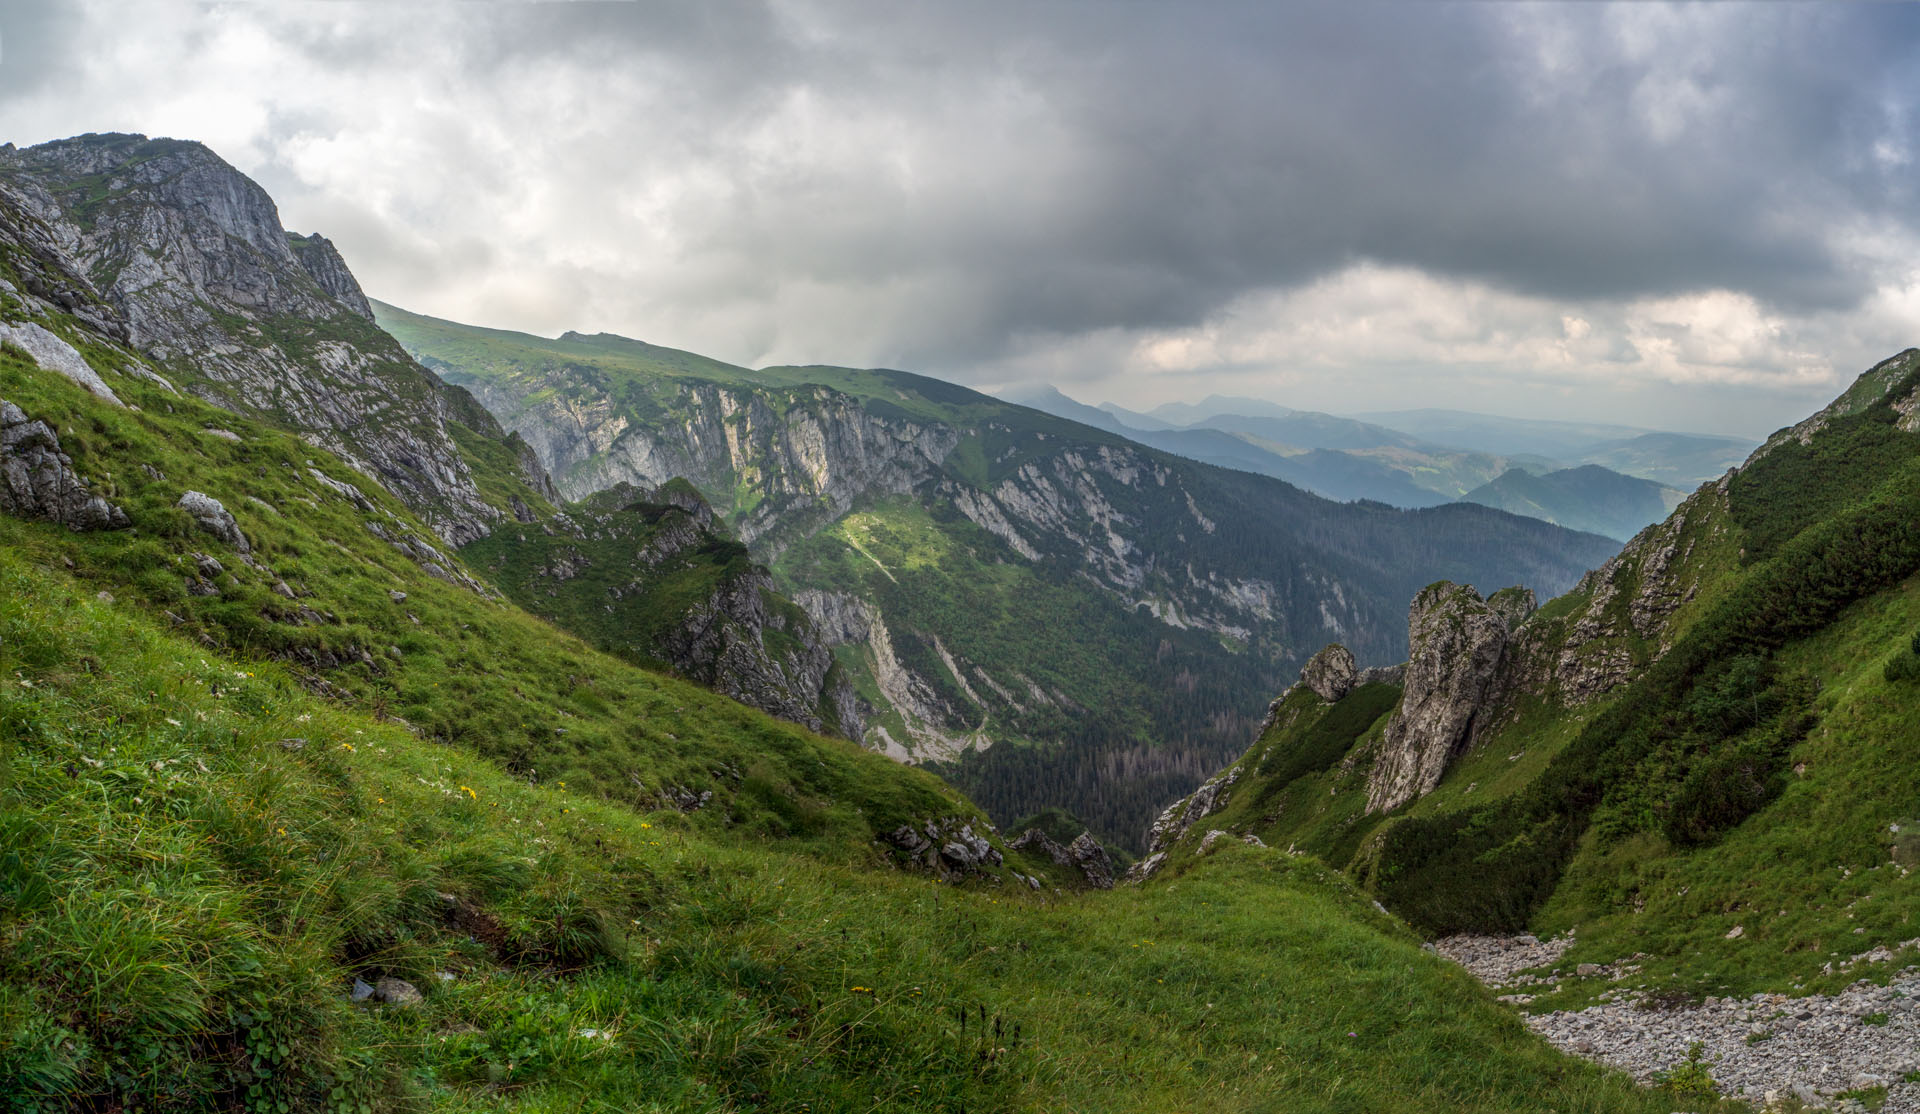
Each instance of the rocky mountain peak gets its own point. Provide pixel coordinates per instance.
(164, 244)
(1514, 605)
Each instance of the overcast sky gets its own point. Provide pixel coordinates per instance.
(1680, 217)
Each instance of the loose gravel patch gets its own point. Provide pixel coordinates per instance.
(1763, 1049)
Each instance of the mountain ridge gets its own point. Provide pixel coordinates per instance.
(303, 816)
(909, 493)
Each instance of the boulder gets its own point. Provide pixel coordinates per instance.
(1092, 861)
(1330, 673)
(215, 519)
(37, 480)
(54, 354)
(397, 992)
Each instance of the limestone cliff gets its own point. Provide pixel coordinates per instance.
(1457, 642)
(808, 454)
(163, 244)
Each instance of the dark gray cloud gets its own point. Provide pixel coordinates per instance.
(955, 186)
(1139, 166)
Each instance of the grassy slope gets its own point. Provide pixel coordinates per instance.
(186, 899)
(1800, 567)
(458, 667)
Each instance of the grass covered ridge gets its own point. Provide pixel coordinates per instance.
(186, 894)
(383, 633)
(1739, 819)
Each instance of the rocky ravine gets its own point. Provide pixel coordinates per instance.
(1764, 1048)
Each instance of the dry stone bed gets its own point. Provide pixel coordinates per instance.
(1767, 1049)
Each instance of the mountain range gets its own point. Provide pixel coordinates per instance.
(477, 729)
(1609, 480)
(1053, 614)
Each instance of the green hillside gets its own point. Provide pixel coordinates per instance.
(374, 625)
(238, 783)
(1055, 614)
(1737, 818)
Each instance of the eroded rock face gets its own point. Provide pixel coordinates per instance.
(1182, 815)
(815, 452)
(321, 259)
(37, 480)
(194, 270)
(1330, 673)
(1627, 621)
(1457, 642)
(723, 642)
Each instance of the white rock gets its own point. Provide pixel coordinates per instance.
(54, 354)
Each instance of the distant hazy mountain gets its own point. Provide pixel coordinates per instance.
(1136, 419)
(1607, 479)
(1193, 413)
(1293, 448)
(1338, 458)
(1310, 430)
(1590, 498)
(1495, 434)
(1682, 460)
(1048, 400)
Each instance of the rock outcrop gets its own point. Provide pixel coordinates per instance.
(1084, 854)
(947, 847)
(1457, 643)
(1330, 673)
(656, 576)
(188, 263)
(725, 643)
(1182, 815)
(322, 261)
(37, 480)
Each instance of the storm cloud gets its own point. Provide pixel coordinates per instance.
(1449, 201)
